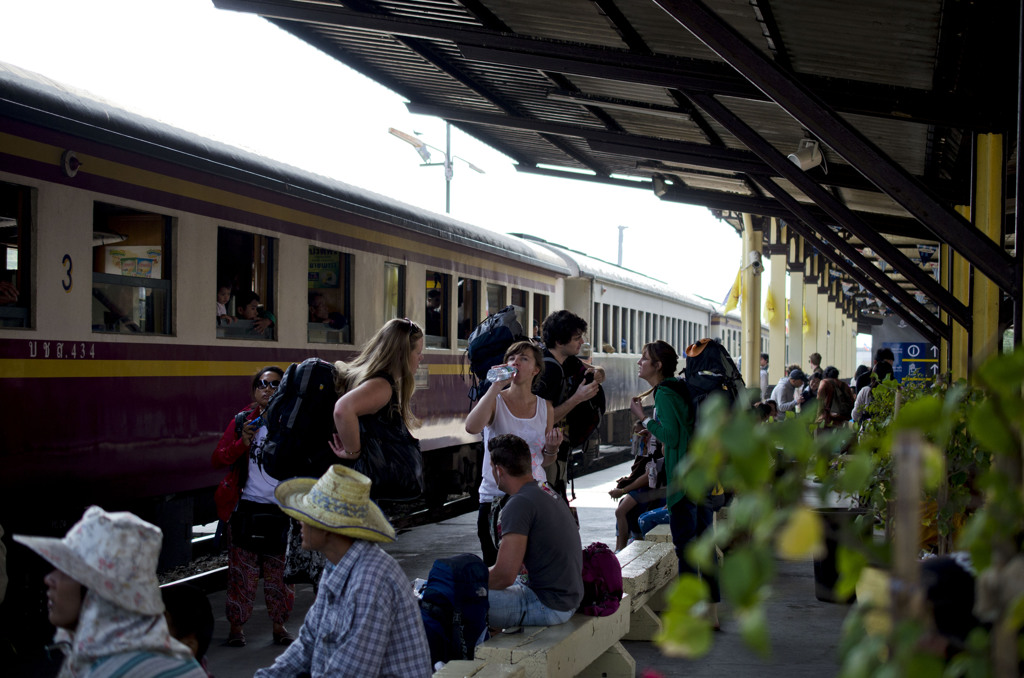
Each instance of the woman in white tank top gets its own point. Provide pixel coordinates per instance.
(518, 411)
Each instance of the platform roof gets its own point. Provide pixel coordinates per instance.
(701, 102)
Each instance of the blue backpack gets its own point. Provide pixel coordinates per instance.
(454, 607)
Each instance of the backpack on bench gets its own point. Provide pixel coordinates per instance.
(453, 607)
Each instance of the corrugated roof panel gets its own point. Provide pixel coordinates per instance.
(877, 41)
(572, 20)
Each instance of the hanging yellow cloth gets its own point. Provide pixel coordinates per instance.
(769, 306)
(807, 323)
(735, 292)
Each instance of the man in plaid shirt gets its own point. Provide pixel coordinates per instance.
(365, 621)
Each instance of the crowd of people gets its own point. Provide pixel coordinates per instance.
(109, 612)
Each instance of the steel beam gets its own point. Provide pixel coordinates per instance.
(842, 214)
(835, 132)
(850, 96)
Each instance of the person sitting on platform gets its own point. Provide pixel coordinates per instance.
(538, 531)
(365, 620)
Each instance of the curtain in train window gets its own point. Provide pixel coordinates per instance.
(540, 311)
(245, 277)
(469, 308)
(131, 279)
(394, 291)
(437, 311)
(495, 298)
(15, 241)
(329, 295)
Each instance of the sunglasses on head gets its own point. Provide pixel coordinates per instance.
(263, 383)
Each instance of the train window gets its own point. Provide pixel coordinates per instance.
(469, 308)
(519, 300)
(15, 241)
(495, 298)
(394, 291)
(131, 279)
(245, 266)
(329, 296)
(540, 310)
(438, 303)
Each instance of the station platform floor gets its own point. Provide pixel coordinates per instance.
(804, 632)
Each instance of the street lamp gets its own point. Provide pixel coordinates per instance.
(423, 149)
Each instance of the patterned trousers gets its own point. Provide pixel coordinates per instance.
(244, 570)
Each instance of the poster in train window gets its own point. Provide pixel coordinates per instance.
(327, 277)
(131, 281)
(15, 241)
(394, 291)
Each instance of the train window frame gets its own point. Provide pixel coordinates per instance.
(329, 269)
(114, 249)
(394, 290)
(441, 320)
(469, 302)
(17, 203)
(261, 279)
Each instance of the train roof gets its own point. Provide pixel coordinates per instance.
(584, 265)
(38, 100)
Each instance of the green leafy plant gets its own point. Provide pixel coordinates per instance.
(970, 442)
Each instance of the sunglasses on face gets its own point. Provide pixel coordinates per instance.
(263, 383)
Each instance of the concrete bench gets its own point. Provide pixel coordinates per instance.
(479, 668)
(583, 646)
(648, 568)
(659, 534)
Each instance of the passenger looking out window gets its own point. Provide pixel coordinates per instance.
(249, 308)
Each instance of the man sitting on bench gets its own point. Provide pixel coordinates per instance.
(538, 531)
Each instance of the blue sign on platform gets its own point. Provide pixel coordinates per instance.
(915, 360)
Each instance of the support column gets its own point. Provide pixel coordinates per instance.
(988, 217)
(751, 303)
(795, 346)
(811, 311)
(777, 248)
(821, 332)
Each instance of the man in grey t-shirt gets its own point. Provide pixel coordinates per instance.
(538, 531)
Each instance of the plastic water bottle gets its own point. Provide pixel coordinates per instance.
(501, 373)
(652, 473)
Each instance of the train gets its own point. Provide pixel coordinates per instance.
(118, 231)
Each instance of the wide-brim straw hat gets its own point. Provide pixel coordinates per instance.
(113, 554)
(338, 501)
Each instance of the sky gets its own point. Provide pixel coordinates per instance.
(239, 79)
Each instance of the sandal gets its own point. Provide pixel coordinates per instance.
(283, 638)
(236, 639)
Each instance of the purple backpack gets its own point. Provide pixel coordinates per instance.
(602, 581)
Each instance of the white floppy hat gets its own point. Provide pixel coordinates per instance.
(338, 501)
(113, 554)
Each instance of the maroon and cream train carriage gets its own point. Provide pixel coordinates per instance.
(118, 380)
(118, 232)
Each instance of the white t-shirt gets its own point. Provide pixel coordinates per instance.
(260, 485)
(531, 430)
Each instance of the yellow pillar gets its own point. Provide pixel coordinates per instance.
(777, 325)
(751, 303)
(822, 329)
(988, 217)
(960, 286)
(795, 345)
(811, 309)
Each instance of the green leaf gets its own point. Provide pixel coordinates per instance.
(850, 564)
(740, 577)
(754, 630)
(985, 424)
(856, 472)
(684, 633)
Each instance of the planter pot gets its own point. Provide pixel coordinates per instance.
(838, 522)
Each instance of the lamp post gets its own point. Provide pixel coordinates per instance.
(423, 149)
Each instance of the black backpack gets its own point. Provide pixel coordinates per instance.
(487, 346)
(453, 607)
(710, 370)
(300, 422)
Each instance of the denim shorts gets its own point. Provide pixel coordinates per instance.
(518, 605)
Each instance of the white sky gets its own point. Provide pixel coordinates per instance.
(239, 79)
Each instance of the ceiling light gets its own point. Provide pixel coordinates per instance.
(808, 155)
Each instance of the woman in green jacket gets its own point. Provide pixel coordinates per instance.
(672, 423)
